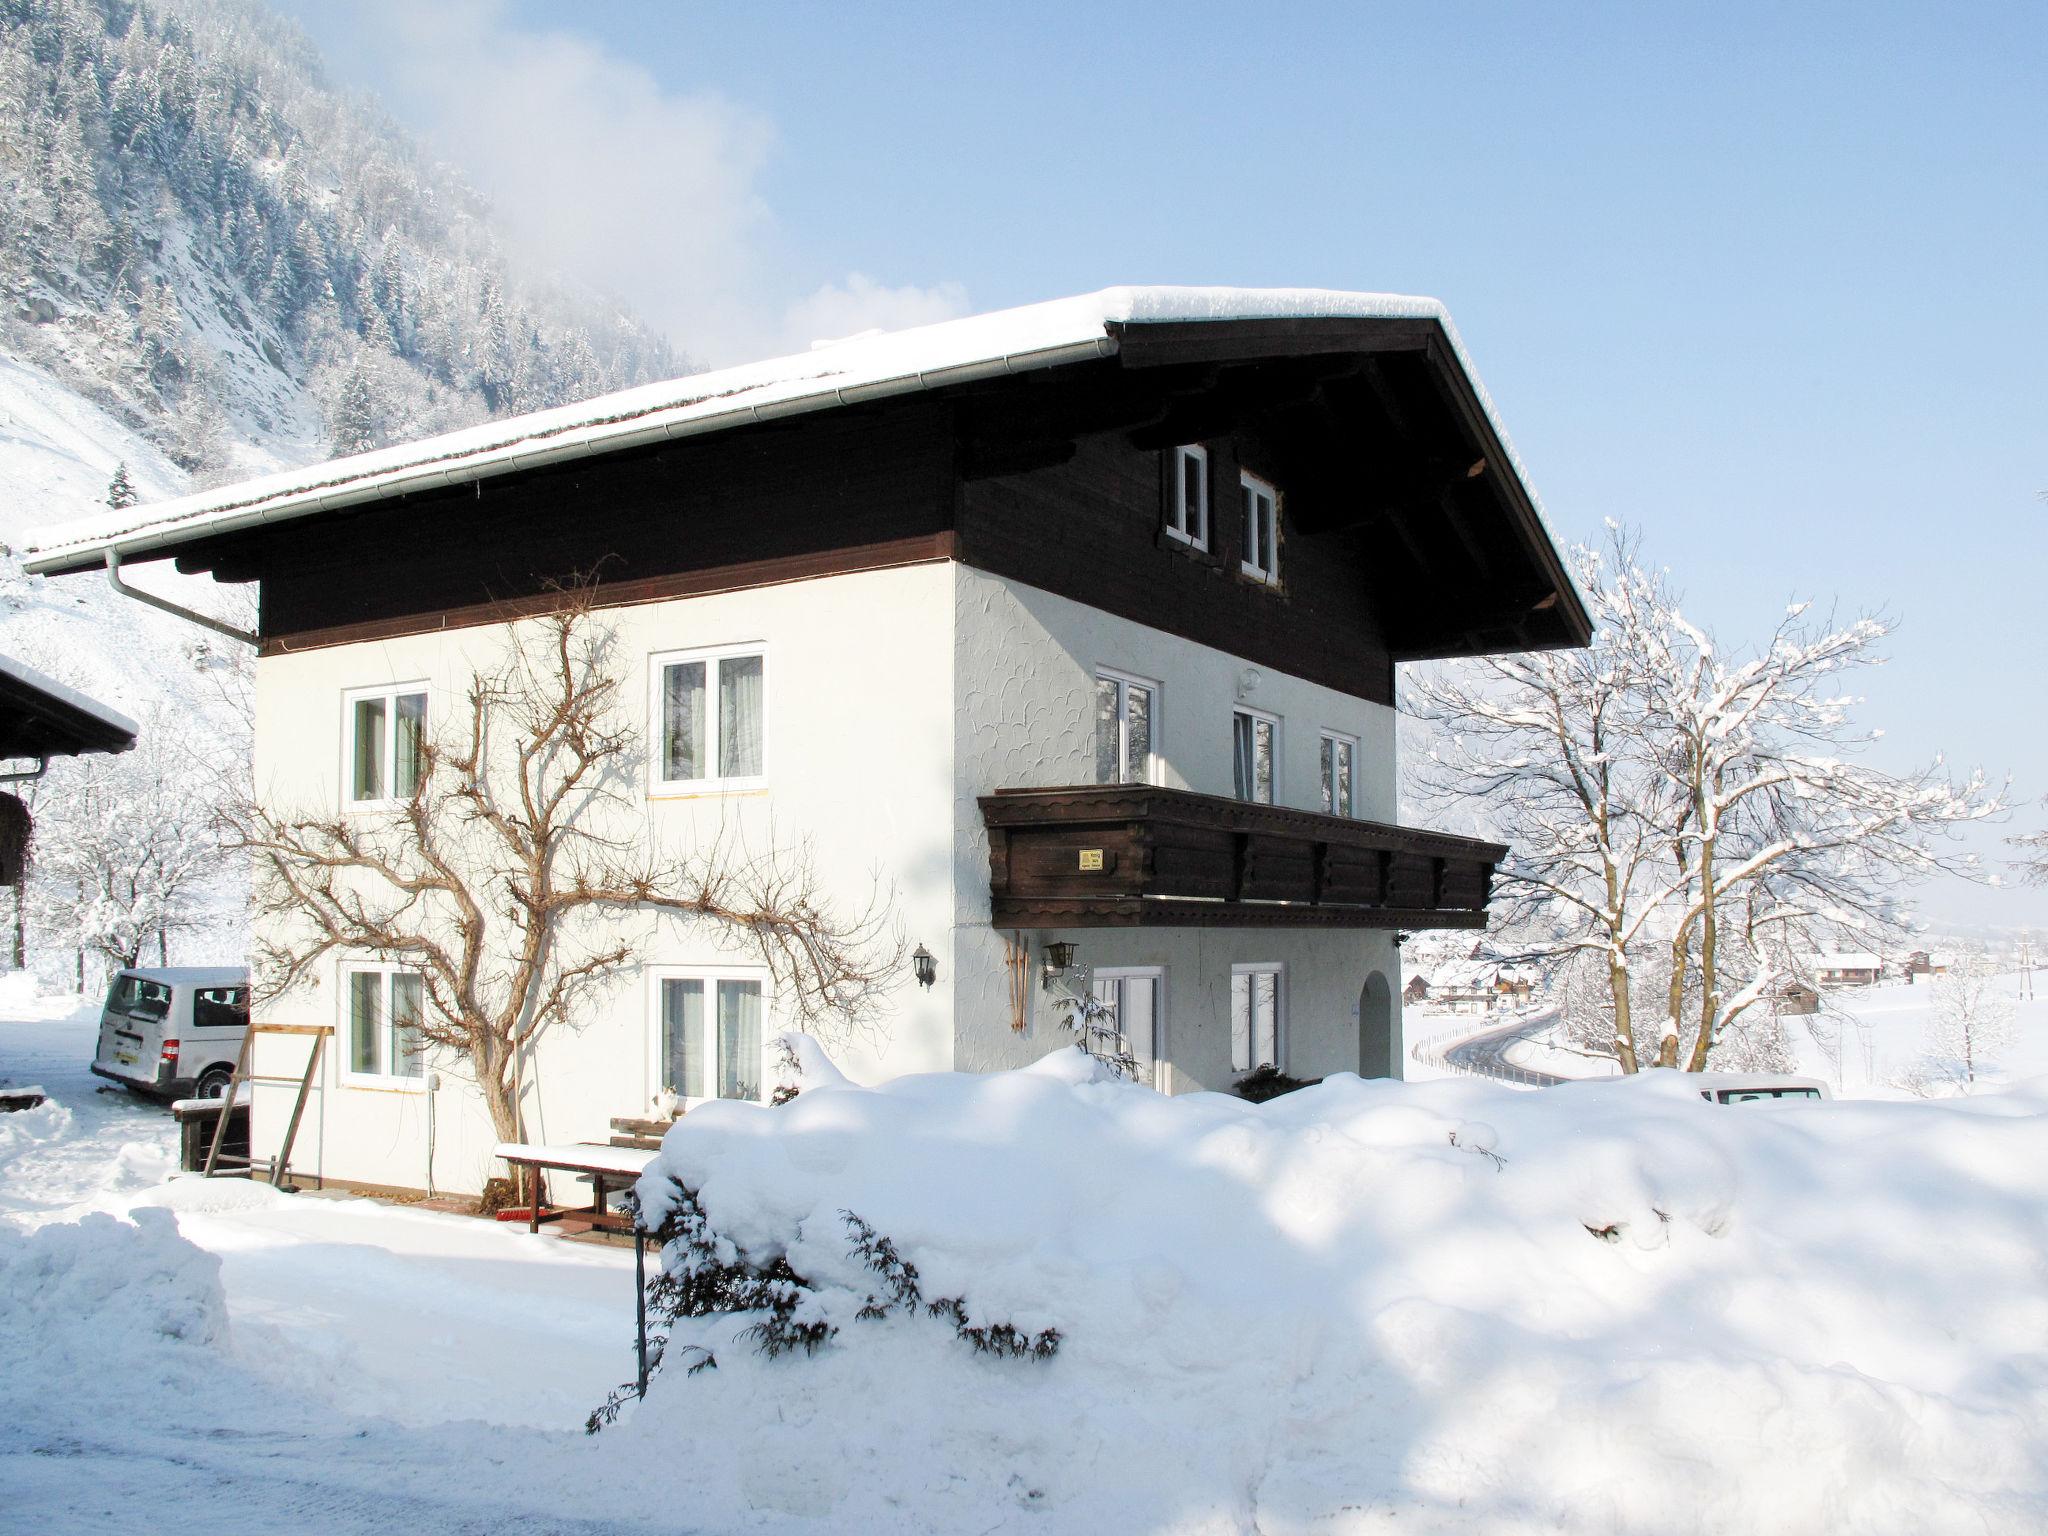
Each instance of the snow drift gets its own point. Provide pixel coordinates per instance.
(1373, 1305)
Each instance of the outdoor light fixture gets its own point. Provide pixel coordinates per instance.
(926, 967)
(1059, 959)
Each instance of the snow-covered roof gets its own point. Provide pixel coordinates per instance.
(40, 717)
(1848, 960)
(843, 373)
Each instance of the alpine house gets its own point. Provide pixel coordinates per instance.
(1075, 625)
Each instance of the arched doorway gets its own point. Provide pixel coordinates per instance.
(1376, 1040)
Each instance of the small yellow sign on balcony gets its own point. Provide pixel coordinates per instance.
(1091, 859)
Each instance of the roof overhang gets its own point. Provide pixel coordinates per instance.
(40, 717)
(1142, 328)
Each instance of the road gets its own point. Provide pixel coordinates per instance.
(1485, 1054)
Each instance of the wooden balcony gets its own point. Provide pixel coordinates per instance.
(1136, 856)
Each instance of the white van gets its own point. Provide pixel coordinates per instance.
(174, 1030)
(1758, 1087)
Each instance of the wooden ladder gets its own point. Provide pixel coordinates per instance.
(280, 1164)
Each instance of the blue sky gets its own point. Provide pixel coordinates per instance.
(1768, 281)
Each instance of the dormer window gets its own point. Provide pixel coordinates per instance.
(1188, 520)
(1261, 530)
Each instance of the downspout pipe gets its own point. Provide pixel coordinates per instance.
(189, 615)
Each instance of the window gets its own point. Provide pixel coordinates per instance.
(139, 997)
(1261, 530)
(1132, 996)
(220, 1008)
(712, 707)
(1126, 728)
(1189, 519)
(384, 1005)
(1254, 739)
(1254, 1017)
(1340, 760)
(387, 728)
(710, 1034)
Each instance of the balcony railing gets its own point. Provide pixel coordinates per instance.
(1134, 855)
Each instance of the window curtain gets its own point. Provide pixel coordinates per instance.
(682, 1038)
(1241, 755)
(365, 1021)
(739, 717)
(369, 753)
(407, 998)
(682, 724)
(739, 1040)
(1108, 730)
(411, 735)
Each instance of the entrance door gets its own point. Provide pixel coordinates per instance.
(1134, 997)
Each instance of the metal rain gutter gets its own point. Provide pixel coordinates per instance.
(191, 616)
(406, 483)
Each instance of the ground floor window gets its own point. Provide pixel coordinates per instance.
(1134, 996)
(1254, 1017)
(711, 1034)
(384, 1004)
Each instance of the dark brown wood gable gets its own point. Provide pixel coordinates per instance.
(847, 490)
(1404, 534)
(1141, 856)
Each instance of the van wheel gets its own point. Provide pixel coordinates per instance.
(213, 1083)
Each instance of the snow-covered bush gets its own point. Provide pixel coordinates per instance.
(1366, 1306)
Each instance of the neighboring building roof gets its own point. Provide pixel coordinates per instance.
(839, 374)
(1847, 960)
(40, 717)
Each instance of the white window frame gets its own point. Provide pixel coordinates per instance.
(1338, 739)
(414, 1082)
(710, 975)
(1125, 681)
(1177, 523)
(1156, 974)
(1270, 719)
(390, 693)
(1261, 546)
(657, 667)
(1278, 971)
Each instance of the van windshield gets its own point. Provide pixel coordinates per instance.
(139, 997)
(1752, 1095)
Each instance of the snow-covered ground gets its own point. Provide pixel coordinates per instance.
(1364, 1307)
(1862, 1043)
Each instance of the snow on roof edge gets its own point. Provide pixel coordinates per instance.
(867, 367)
(21, 672)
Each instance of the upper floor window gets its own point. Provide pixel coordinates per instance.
(384, 1006)
(387, 730)
(1126, 729)
(1254, 750)
(711, 1044)
(712, 707)
(1261, 529)
(1189, 519)
(1340, 760)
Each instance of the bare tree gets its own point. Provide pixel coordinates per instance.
(504, 877)
(1659, 789)
(1971, 1022)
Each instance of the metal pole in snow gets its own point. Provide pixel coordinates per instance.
(640, 1295)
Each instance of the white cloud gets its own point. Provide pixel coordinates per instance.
(597, 169)
(839, 310)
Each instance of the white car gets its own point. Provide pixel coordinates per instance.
(1758, 1087)
(174, 1031)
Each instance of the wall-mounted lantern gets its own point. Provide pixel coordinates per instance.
(924, 966)
(1059, 959)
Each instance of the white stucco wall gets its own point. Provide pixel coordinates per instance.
(1026, 669)
(859, 748)
(894, 699)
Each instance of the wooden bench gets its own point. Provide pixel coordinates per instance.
(608, 1168)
